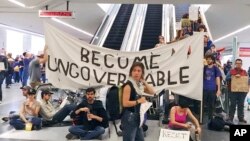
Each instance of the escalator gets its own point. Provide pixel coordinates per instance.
(152, 26)
(116, 34)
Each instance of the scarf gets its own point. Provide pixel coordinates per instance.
(139, 87)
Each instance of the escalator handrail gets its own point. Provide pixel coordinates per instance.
(133, 33)
(106, 25)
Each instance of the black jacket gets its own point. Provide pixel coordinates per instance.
(97, 109)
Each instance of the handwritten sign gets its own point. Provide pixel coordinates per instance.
(174, 135)
(239, 84)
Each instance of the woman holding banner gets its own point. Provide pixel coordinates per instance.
(132, 100)
(178, 119)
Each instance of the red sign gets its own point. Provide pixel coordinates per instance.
(244, 52)
(61, 14)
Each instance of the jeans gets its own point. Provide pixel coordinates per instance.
(237, 99)
(25, 77)
(8, 79)
(43, 78)
(62, 113)
(2, 76)
(131, 130)
(18, 124)
(85, 134)
(209, 98)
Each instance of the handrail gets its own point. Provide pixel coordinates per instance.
(99, 28)
(173, 21)
(135, 32)
(129, 28)
(166, 22)
(204, 20)
(106, 25)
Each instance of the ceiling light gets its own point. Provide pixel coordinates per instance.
(17, 3)
(232, 33)
(73, 27)
(21, 30)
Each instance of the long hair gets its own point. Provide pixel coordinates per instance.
(137, 64)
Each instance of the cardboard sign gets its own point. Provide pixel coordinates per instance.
(174, 135)
(239, 84)
(2, 67)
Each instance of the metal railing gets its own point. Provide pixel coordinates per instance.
(106, 25)
(132, 38)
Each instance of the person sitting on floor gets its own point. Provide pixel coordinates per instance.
(28, 113)
(25, 90)
(49, 113)
(178, 118)
(93, 115)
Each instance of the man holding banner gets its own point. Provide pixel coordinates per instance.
(239, 87)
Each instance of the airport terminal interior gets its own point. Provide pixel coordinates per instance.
(108, 36)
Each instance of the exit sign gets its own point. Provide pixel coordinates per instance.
(60, 14)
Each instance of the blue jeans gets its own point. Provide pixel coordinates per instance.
(237, 99)
(131, 130)
(62, 113)
(25, 77)
(84, 134)
(18, 124)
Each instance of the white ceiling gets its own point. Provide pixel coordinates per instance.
(225, 18)
(222, 17)
(27, 18)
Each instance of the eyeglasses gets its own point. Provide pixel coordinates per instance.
(238, 63)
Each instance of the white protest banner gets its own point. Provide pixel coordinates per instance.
(193, 13)
(75, 64)
(174, 135)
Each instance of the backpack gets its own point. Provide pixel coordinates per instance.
(216, 123)
(114, 105)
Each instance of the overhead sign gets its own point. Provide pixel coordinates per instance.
(61, 14)
(244, 52)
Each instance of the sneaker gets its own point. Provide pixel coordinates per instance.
(70, 136)
(5, 119)
(242, 121)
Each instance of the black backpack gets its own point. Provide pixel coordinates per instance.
(114, 105)
(217, 123)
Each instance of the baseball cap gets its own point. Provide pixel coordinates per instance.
(26, 87)
(46, 92)
(31, 91)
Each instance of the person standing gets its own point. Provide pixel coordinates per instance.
(25, 73)
(237, 98)
(131, 100)
(4, 66)
(35, 70)
(211, 85)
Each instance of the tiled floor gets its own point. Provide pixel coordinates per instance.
(12, 99)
